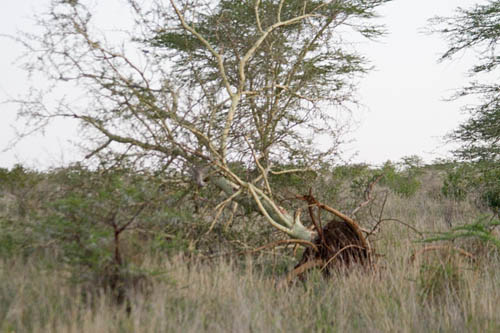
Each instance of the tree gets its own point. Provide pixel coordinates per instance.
(88, 219)
(478, 29)
(198, 88)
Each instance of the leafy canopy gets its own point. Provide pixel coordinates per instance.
(477, 29)
(207, 85)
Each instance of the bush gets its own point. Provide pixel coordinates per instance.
(403, 182)
(490, 183)
(480, 230)
(458, 181)
(89, 221)
(20, 184)
(481, 179)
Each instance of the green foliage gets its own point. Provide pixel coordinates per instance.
(492, 198)
(476, 29)
(481, 229)
(481, 179)
(298, 180)
(348, 172)
(17, 196)
(19, 182)
(295, 60)
(229, 84)
(14, 239)
(89, 220)
(404, 181)
(458, 181)
(490, 186)
(360, 178)
(16, 178)
(471, 28)
(79, 197)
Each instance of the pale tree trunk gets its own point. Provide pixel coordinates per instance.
(259, 202)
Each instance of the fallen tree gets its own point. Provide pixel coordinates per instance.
(198, 87)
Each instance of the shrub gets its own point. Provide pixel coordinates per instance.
(19, 183)
(481, 179)
(89, 220)
(403, 182)
(481, 229)
(490, 186)
(458, 181)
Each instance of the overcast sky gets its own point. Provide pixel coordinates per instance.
(404, 110)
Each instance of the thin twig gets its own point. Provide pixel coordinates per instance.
(367, 195)
(263, 172)
(219, 208)
(398, 221)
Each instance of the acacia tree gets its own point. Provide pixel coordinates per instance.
(208, 85)
(478, 29)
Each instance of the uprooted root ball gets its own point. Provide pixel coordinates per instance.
(339, 246)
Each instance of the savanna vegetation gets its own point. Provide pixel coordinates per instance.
(208, 199)
(119, 251)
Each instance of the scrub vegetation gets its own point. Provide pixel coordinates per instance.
(436, 259)
(212, 196)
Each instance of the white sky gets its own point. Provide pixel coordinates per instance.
(405, 114)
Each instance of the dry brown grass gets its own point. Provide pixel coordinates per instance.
(229, 297)
(436, 291)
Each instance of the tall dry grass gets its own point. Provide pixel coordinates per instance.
(435, 291)
(226, 297)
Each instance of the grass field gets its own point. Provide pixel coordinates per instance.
(409, 290)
